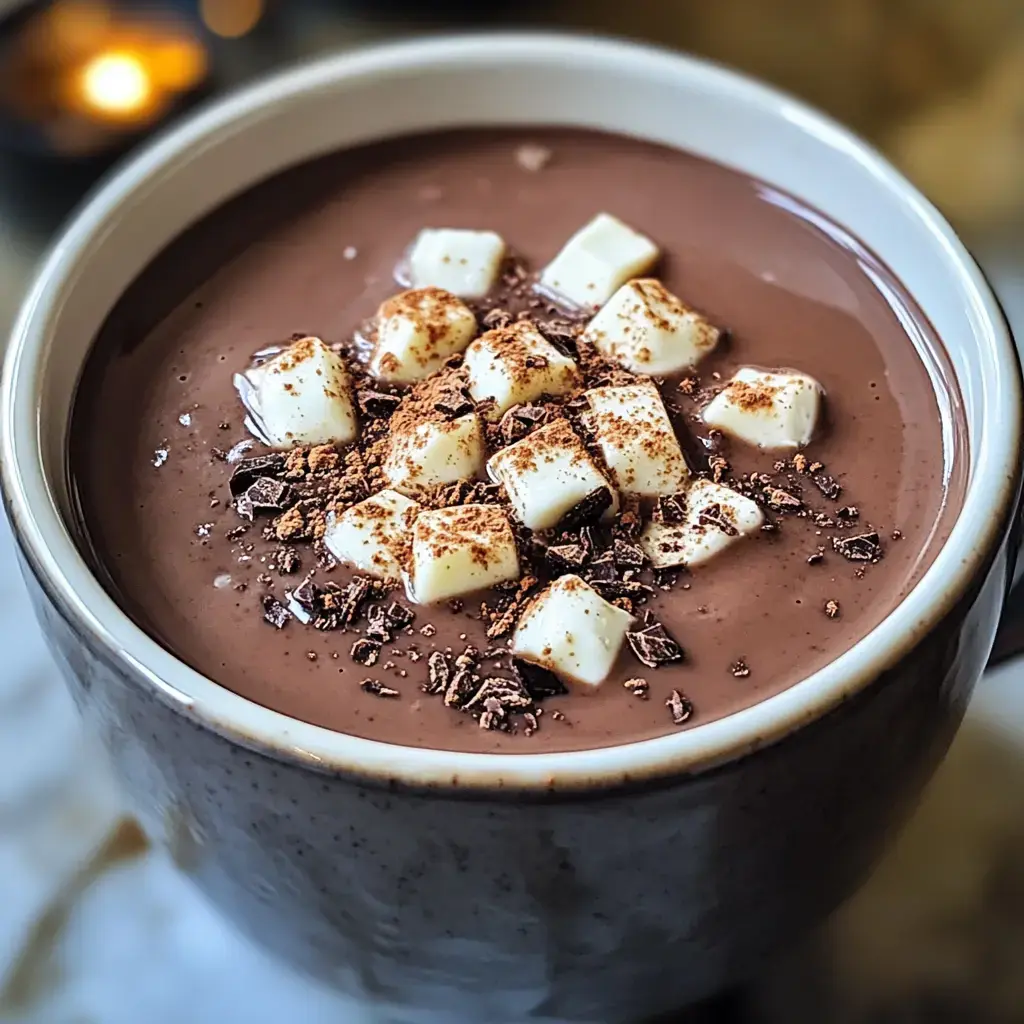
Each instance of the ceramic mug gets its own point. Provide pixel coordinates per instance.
(601, 885)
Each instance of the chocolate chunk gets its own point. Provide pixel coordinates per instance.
(305, 595)
(679, 706)
(562, 334)
(653, 646)
(537, 680)
(783, 501)
(739, 669)
(566, 557)
(865, 547)
(848, 513)
(274, 612)
(637, 687)
(713, 515)
(520, 420)
(377, 625)
(265, 496)
(397, 616)
(287, 560)
(377, 688)
(247, 471)
(627, 555)
(587, 511)
(365, 652)
(832, 609)
(632, 589)
(509, 694)
(454, 400)
(816, 558)
(602, 570)
(377, 404)
(828, 485)
(463, 685)
(670, 510)
(439, 673)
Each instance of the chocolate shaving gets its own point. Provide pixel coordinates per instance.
(510, 695)
(377, 404)
(562, 334)
(670, 510)
(828, 485)
(679, 706)
(602, 570)
(377, 625)
(587, 511)
(612, 589)
(714, 516)
(265, 496)
(566, 557)
(538, 681)
(865, 547)
(365, 652)
(653, 646)
(463, 685)
(398, 616)
(627, 555)
(247, 471)
(454, 400)
(439, 673)
(783, 501)
(378, 689)
(274, 612)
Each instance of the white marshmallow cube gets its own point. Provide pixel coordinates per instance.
(547, 473)
(647, 329)
(517, 364)
(597, 261)
(465, 263)
(572, 631)
(373, 535)
(301, 396)
(459, 550)
(430, 452)
(769, 410)
(636, 439)
(417, 331)
(716, 518)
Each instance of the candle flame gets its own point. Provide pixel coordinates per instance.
(117, 85)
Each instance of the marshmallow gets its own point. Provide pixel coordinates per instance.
(517, 364)
(597, 260)
(458, 550)
(417, 331)
(636, 439)
(547, 473)
(301, 396)
(373, 535)
(428, 452)
(646, 329)
(716, 517)
(465, 263)
(572, 631)
(769, 410)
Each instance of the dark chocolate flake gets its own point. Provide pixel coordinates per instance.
(828, 485)
(865, 547)
(398, 616)
(378, 689)
(627, 555)
(602, 570)
(365, 652)
(680, 707)
(848, 513)
(538, 681)
(439, 673)
(783, 501)
(670, 510)
(454, 401)
(274, 612)
(653, 646)
(377, 404)
(587, 511)
(266, 496)
(247, 471)
(715, 516)
(566, 557)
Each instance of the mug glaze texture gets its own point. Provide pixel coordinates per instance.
(597, 886)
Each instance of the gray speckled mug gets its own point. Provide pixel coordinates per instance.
(600, 885)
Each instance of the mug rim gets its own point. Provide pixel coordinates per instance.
(46, 542)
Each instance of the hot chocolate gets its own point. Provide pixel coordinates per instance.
(632, 442)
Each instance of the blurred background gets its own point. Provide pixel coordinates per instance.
(97, 927)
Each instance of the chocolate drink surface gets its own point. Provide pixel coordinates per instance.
(223, 559)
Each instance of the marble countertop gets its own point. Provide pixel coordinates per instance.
(96, 927)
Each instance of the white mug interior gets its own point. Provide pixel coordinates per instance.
(494, 80)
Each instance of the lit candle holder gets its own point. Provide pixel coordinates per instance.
(82, 78)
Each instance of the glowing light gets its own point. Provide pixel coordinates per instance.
(230, 18)
(117, 85)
